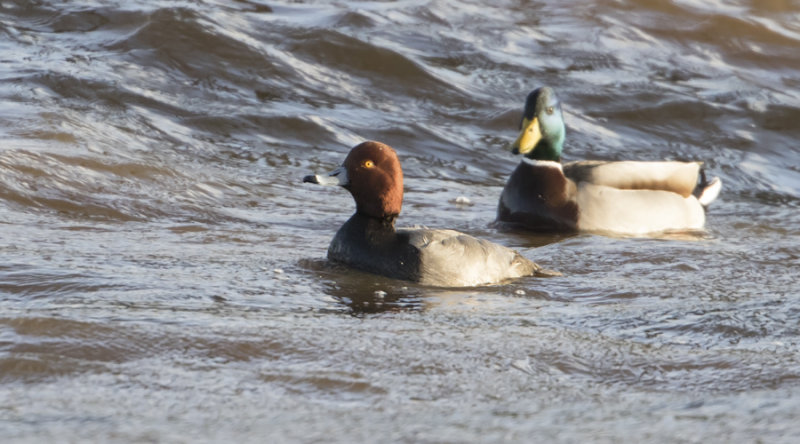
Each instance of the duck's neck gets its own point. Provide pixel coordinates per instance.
(546, 150)
(375, 230)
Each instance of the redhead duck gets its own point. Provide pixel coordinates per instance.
(369, 241)
(625, 197)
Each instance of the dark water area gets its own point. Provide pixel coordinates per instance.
(163, 274)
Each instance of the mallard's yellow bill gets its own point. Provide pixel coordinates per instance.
(528, 137)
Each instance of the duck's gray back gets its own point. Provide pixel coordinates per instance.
(673, 176)
(453, 259)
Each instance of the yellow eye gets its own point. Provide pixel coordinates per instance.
(550, 110)
(368, 164)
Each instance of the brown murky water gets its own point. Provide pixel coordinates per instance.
(163, 274)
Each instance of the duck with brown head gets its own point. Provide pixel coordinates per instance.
(369, 241)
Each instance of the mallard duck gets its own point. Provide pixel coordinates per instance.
(626, 197)
(369, 241)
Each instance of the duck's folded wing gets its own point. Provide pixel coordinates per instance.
(452, 258)
(677, 177)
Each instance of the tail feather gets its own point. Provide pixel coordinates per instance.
(708, 191)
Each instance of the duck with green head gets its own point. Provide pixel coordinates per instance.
(626, 197)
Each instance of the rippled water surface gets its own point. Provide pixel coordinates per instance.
(163, 274)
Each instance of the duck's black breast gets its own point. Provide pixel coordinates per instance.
(538, 196)
(374, 246)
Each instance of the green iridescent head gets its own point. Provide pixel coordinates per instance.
(542, 129)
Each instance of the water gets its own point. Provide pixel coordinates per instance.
(164, 275)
